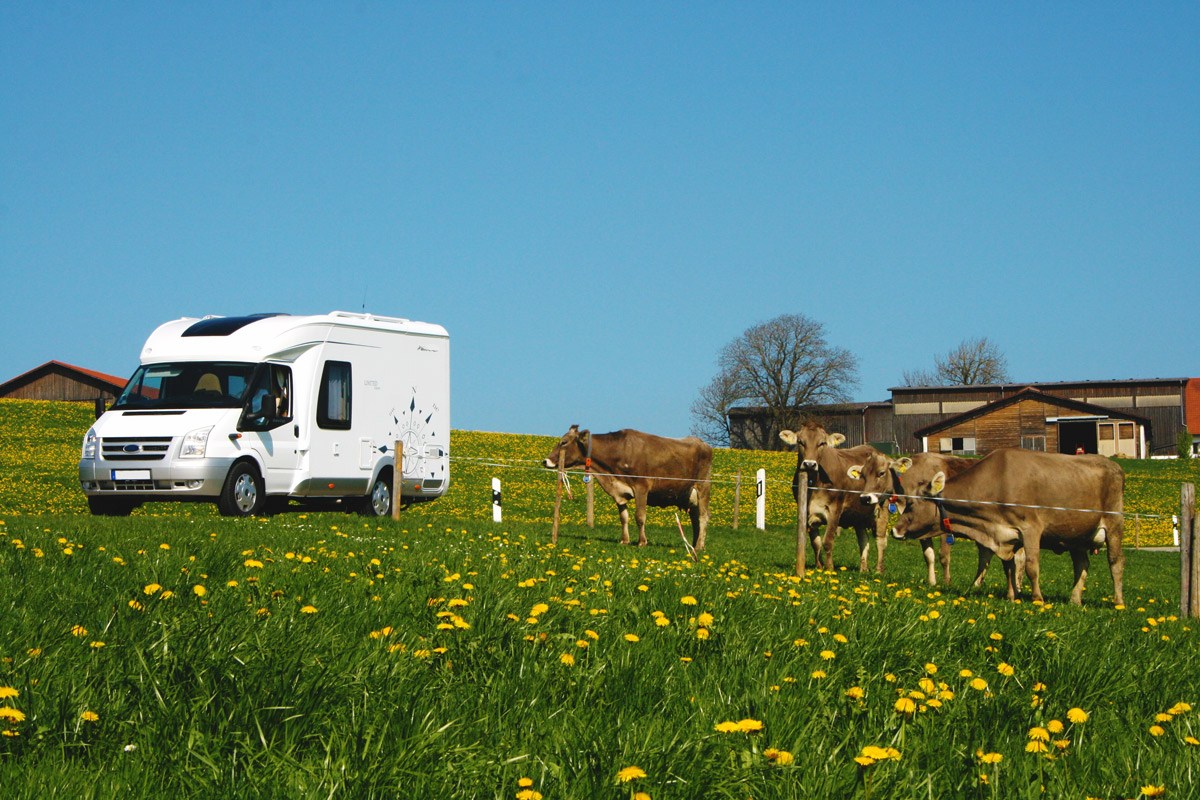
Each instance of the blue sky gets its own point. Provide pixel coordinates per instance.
(595, 197)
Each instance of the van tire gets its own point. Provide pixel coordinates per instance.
(243, 494)
(378, 502)
(111, 506)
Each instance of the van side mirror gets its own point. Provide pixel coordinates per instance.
(266, 407)
(99, 407)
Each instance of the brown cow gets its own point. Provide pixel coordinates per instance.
(650, 470)
(833, 499)
(1022, 499)
(888, 482)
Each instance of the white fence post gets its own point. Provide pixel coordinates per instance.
(760, 500)
(497, 514)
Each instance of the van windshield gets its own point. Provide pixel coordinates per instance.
(187, 384)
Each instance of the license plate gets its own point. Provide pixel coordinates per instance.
(131, 474)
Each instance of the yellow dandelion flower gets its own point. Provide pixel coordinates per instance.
(990, 758)
(1055, 726)
(979, 684)
(818, 674)
(1179, 708)
(12, 714)
(1036, 746)
(632, 637)
(705, 620)
(1153, 791)
(855, 693)
(641, 796)
(199, 590)
(828, 655)
(79, 630)
(864, 761)
(308, 610)
(529, 794)
(8, 691)
(726, 727)
(906, 705)
(1161, 717)
(662, 622)
(89, 716)
(750, 725)
(1077, 715)
(631, 773)
(1157, 730)
(688, 600)
(931, 669)
(996, 637)
(1192, 740)
(1005, 669)
(965, 673)
(1039, 734)
(702, 633)
(567, 659)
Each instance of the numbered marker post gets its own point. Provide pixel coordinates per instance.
(497, 514)
(760, 500)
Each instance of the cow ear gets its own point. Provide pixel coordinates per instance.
(788, 437)
(902, 465)
(836, 438)
(574, 429)
(584, 437)
(855, 472)
(938, 483)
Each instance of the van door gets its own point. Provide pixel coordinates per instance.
(334, 454)
(269, 426)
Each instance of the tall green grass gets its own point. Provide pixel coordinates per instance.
(326, 655)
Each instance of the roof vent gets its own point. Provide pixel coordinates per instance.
(223, 326)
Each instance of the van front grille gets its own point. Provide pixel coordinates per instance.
(135, 448)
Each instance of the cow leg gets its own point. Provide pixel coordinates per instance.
(1019, 560)
(943, 557)
(1080, 560)
(831, 531)
(818, 540)
(623, 510)
(699, 526)
(1116, 556)
(927, 551)
(1033, 549)
(881, 537)
(640, 500)
(864, 547)
(698, 511)
(1010, 575)
(981, 565)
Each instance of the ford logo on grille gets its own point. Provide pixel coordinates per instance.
(131, 448)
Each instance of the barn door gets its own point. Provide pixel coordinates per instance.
(1107, 444)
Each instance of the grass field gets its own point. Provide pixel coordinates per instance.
(179, 653)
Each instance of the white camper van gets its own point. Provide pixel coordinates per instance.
(249, 411)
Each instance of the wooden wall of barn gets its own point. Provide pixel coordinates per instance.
(54, 386)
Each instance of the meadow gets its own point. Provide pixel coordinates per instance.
(323, 654)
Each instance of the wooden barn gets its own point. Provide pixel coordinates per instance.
(55, 380)
(861, 423)
(1036, 420)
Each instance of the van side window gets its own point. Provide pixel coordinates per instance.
(333, 402)
(274, 382)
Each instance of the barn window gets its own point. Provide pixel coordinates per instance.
(959, 445)
(1037, 443)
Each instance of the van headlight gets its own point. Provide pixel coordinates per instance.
(194, 443)
(90, 444)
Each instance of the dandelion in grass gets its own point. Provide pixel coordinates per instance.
(1191, 740)
(1039, 734)
(997, 637)
(199, 590)
(979, 684)
(641, 796)
(529, 794)
(567, 659)
(251, 563)
(631, 773)
(1161, 717)
(855, 693)
(1035, 746)
(7, 692)
(818, 674)
(688, 600)
(79, 630)
(1150, 790)
(632, 637)
(1055, 726)
(931, 669)
(828, 655)
(702, 633)
(1005, 669)
(12, 714)
(1157, 730)
(905, 705)
(89, 716)
(705, 620)
(1179, 708)
(989, 758)
(308, 610)
(780, 757)
(1077, 716)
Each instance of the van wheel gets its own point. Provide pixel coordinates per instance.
(243, 494)
(111, 506)
(379, 502)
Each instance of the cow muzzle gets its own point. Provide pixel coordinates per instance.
(871, 499)
(549, 464)
(808, 465)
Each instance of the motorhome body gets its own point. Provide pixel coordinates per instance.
(270, 406)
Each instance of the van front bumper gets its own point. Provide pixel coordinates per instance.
(201, 478)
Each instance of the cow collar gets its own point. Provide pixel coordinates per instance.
(947, 525)
(897, 490)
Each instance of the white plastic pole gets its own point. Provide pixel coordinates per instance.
(496, 511)
(760, 500)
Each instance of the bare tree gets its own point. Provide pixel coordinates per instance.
(710, 410)
(780, 364)
(974, 361)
